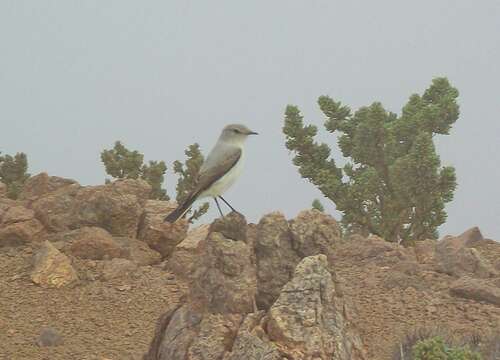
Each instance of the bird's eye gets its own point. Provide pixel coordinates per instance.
(236, 131)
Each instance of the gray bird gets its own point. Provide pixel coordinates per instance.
(221, 169)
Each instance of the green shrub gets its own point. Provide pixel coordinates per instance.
(13, 173)
(436, 349)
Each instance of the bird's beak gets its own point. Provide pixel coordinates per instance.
(253, 133)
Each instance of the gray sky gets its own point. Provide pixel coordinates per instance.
(77, 75)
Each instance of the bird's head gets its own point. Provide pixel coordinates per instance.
(236, 133)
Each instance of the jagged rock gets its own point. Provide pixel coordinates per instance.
(187, 254)
(225, 279)
(232, 226)
(456, 258)
(159, 235)
(117, 268)
(19, 226)
(49, 337)
(275, 258)
(56, 209)
(138, 252)
(116, 207)
(251, 342)
(367, 248)
(42, 184)
(314, 233)
(476, 289)
(52, 268)
(307, 317)
(93, 243)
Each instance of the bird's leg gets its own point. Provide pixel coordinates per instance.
(237, 212)
(218, 207)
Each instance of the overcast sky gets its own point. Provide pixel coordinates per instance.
(159, 75)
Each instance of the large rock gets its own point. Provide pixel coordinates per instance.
(18, 226)
(52, 268)
(275, 257)
(476, 289)
(116, 207)
(188, 253)
(93, 243)
(159, 235)
(252, 342)
(456, 257)
(314, 232)
(138, 251)
(225, 279)
(307, 319)
(41, 184)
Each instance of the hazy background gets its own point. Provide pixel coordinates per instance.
(77, 75)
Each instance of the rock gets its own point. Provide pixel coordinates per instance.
(19, 226)
(52, 268)
(307, 317)
(117, 268)
(49, 337)
(225, 279)
(41, 184)
(159, 235)
(475, 289)
(94, 243)
(187, 254)
(116, 207)
(455, 259)
(251, 342)
(367, 249)
(275, 258)
(232, 226)
(314, 232)
(56, 209)
(138, 252)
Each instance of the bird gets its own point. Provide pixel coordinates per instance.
(220, 170)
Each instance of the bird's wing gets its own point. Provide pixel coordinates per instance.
(216, 169)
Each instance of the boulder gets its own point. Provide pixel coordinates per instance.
(18, 226)
(42, 184)
(187, 254)
(425, 251)
(476, 289)
(116, 207)
(307, 321)
(154, 231)
(251, 342)
(232, 226)
(138, 251)
(225, 279)
(275, 257)
(93, 243)
(454, 256)
(314, 232)
(52, 268)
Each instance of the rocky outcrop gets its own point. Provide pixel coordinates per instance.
(307, 319)
(159, 235)
(63, 205)
(184, 259)
(476, 289)
(18, 226)
(42, 184)
(220, 320)
(93, 243)
(51, 268)
(456, 256)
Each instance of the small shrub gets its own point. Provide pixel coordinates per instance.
(13, 173)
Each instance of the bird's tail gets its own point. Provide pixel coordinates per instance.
(181, 210)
